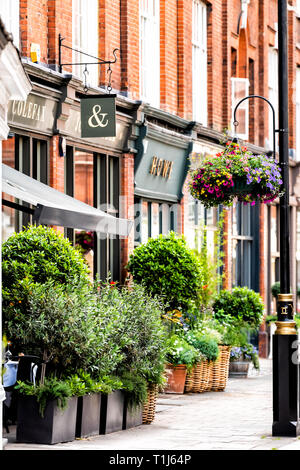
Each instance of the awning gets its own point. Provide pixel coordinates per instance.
(55, 208)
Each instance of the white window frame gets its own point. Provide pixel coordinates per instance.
(273, 95)
(244, 105)
(199, 61)
(10, 15)
(149, 28)
(85, 38)
(298, 114)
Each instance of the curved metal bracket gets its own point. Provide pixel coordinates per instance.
(236, 123)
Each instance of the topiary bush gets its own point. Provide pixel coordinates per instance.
(167, 268)
(242, 306)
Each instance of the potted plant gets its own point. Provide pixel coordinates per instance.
(46, 412)
(167, 268)
(236, 172)
(209, 350)
(240, 359)
(181, 357)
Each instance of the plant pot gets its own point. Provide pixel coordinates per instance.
(132, 417)
(239, 369)
(219, 370)
(112, 410)
(176, 376)
(56, 425)
(88, 415)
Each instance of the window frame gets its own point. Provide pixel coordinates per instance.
(243, 106)
(199, 62)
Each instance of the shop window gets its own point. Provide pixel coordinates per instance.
(239, 90)
(30, 156)
(10, 15)
(245, 255)
(199, 61)
(94, 179)
(85, 38)
(150, 52)
(153, 218)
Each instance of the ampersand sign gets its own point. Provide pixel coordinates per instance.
(98, 116)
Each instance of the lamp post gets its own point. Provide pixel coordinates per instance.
(285, 367)
(285, 340)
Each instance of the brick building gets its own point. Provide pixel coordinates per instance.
(181, 67)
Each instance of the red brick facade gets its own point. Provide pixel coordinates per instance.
(231, 52)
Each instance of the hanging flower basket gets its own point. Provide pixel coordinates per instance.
(236, 173)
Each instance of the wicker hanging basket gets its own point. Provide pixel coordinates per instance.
(150, 405)
(218, 376)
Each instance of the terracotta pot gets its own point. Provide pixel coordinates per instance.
(176, 376)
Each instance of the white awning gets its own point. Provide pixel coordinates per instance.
(56, 208)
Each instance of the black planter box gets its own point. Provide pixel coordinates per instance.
(88, 415)
(56, 425)
(112, 410)
(132, 417)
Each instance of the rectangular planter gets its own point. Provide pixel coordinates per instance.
(132, 417)
(56, 425)
(88, 415)
(112, 410)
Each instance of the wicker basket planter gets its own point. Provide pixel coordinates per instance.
(218, 376)
(148, 413)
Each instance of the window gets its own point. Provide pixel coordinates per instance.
(94, 179)
(85, 38)
(298, 114)
(273, 95)
(199, 62)
(153, 218)
(30, 156)
(150, 52)
(240, 89)
(10, 13)
(245, 246)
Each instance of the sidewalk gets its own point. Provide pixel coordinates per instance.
(240, 418)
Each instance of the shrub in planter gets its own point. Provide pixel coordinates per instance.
(242, 307)
(167, 268)
(31, 258)
(181, 357)
(46, 412)
(207, 345)
(240, 358)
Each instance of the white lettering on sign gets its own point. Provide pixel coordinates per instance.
(160, 167)
(29, 110)
(94, 120)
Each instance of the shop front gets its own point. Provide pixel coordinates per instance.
(161, 166)
(45, 144)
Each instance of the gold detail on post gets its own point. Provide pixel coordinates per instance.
(285, 297)
(285, 328)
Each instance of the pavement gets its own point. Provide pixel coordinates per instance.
(240, 418)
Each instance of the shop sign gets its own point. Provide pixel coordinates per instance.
(160, 167)
(98, 116)
(35, 113)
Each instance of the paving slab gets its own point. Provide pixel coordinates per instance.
(240, 418)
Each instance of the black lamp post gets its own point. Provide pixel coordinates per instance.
(285, 367)
(285, 340)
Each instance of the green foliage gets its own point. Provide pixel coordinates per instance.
(139, 332)
(207, 345)
(33, 257)
(167, 268)
(275, 289)
(52, 389)
(242, 306)
(181, 352)
(135, 387)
